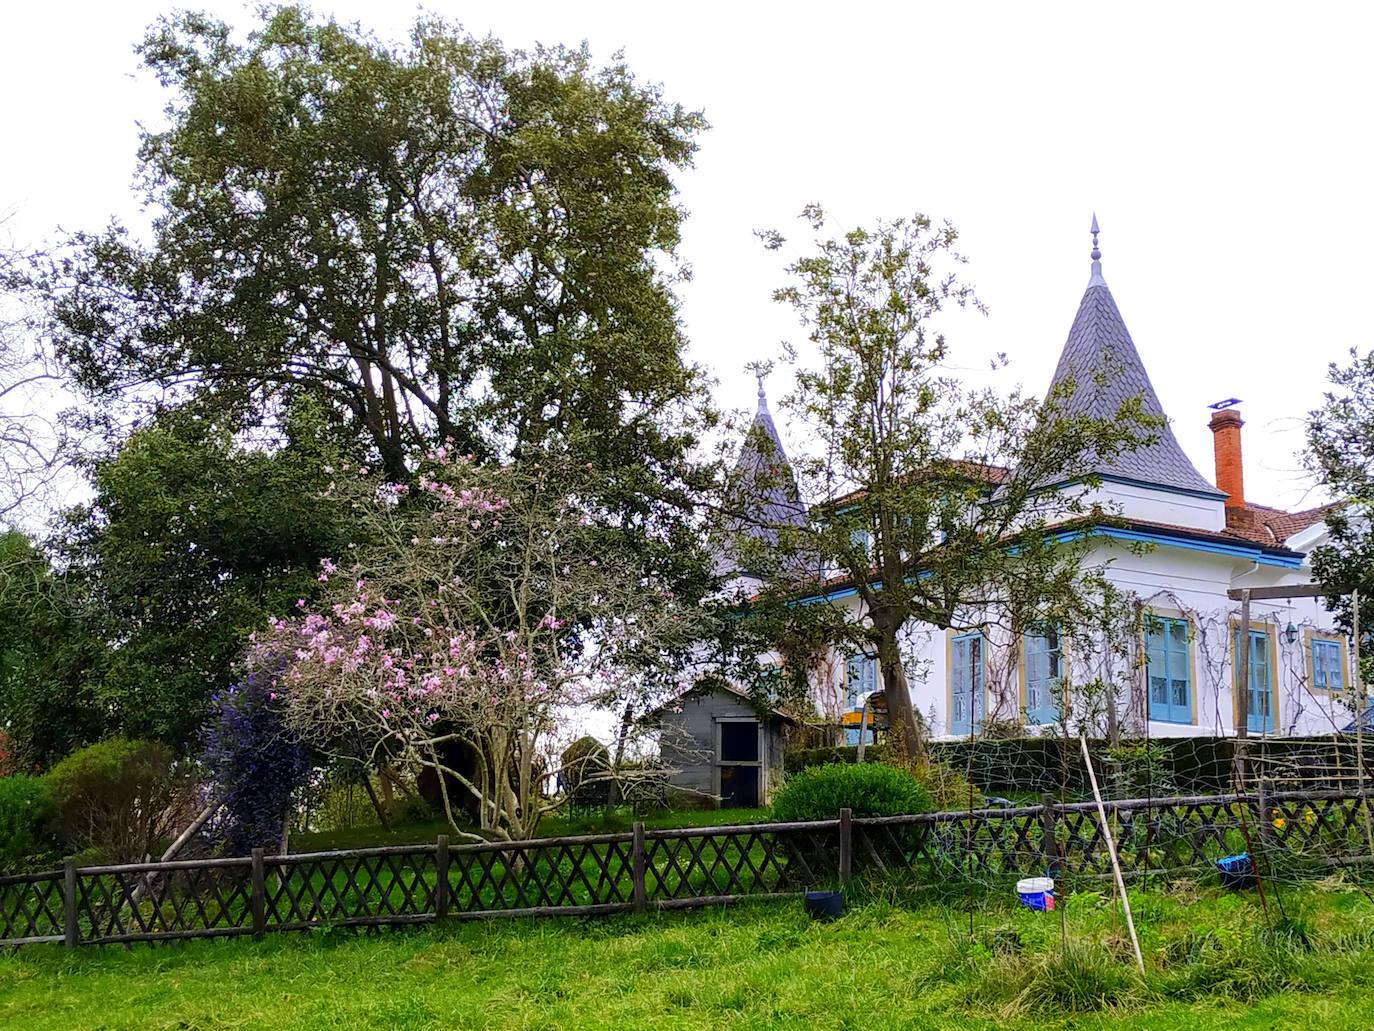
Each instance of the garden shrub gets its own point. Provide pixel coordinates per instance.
(869, 789)
(117, 798)
(26, 812)
(255, 765)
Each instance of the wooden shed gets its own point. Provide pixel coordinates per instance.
(722, 746)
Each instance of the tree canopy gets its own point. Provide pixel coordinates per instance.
(442, 240)
(359, 250)
(191, 541)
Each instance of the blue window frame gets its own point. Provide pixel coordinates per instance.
(861, 540)
(1043, 659)
(1259, 694)
(860, 680)
(1328, 673)
(966, 683)
(1168, 670)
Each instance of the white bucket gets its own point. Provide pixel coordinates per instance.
(1036, 892)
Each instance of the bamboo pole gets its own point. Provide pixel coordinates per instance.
(1241, 706)
(1361, 704)
(1111, 854)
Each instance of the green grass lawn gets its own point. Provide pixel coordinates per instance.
(1215, 961)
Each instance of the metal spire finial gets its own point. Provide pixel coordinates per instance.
(1096, 278)
(760, 369)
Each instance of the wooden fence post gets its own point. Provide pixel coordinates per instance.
(441, 878)
(70, 930)
(637, 864)
(846, 844)
(258, 900)
(1049, 835)
(1266, 821)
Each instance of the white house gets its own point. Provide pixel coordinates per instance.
(1205, 538)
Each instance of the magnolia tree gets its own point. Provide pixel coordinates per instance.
(492, 603)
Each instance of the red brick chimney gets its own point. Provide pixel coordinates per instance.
(1225, 426)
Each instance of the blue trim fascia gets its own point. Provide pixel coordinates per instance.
(847, 592)
(1253, 552)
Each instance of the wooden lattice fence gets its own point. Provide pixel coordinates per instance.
(645, 869)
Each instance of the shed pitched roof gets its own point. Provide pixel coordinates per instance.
(1106, 370)
(709, 686)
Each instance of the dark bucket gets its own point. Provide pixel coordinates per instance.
(824, 905)
(1236, 871)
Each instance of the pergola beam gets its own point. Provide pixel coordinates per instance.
(1270, 593)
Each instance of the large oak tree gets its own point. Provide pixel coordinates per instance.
(443, 239)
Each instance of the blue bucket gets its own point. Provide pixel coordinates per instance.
(1036, 892)
(1237, 871)
(824, 905)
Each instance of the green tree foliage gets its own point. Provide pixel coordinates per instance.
(930, 498)
(441, 239)
(1340, 453)
(49, 665)
(190, 543)
(26, 814)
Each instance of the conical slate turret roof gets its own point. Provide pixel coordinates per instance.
(1107, 371)
(766, 482)
(764, 493)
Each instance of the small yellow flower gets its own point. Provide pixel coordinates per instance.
(1309, 817)
(1280, 823)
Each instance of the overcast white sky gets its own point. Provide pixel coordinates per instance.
(1225, 148)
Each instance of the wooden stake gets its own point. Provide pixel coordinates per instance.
(846, 844)
(1242, 693)
(1111, 853)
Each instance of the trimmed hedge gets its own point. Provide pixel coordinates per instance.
(797, 759)
(1185, 765)
(869, 789)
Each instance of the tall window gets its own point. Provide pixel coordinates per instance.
(1259, 694)
(966, 683)
(860, 680)
(1328, 673)
(1043, 667)
(1167, 669)
(861, 540)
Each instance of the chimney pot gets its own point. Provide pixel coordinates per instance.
(1225, 426)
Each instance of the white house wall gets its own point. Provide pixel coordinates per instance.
(1157, 506)
(1170, 580)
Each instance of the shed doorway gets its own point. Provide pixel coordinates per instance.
(739, 759)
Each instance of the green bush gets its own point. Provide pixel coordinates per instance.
(869, 789)
(26, 811)
(117, 798)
